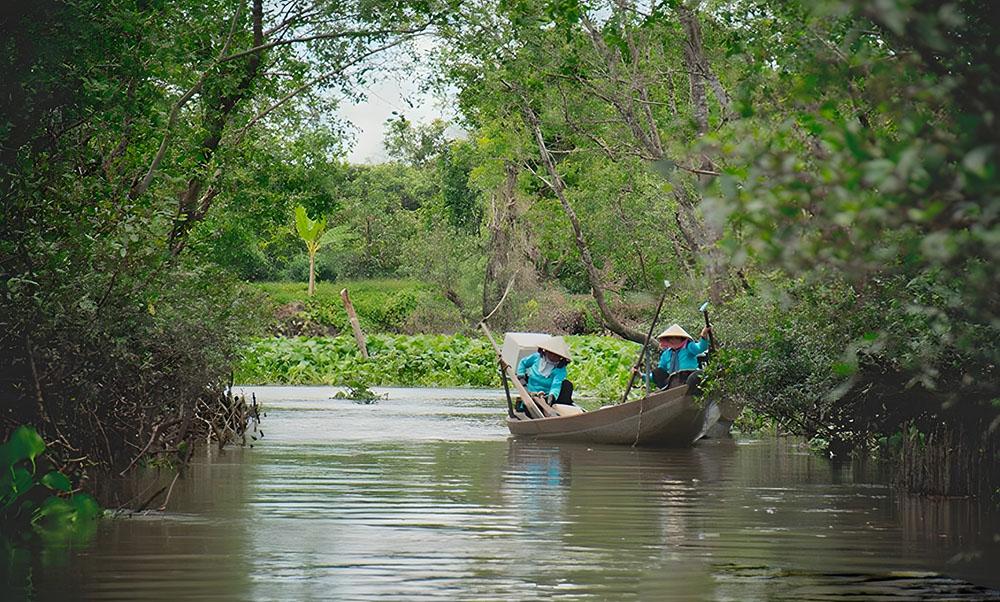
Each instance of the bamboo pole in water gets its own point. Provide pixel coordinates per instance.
(355, 325)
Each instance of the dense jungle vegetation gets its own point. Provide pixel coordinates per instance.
(824, 172)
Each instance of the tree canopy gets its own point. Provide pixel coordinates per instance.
(824, 172)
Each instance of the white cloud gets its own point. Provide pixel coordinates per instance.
(389, 92)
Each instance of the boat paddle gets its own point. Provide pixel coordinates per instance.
(711, 339)
(536, 407)
(649, 334)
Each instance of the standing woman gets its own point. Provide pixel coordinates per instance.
(678, 355)
(544, 372)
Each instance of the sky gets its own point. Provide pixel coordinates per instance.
(387, 94)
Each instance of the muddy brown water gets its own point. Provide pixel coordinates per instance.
(424, 496)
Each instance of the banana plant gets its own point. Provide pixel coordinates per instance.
(316, 236)
(311, 232)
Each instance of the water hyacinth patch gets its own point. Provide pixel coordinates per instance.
(600, 368)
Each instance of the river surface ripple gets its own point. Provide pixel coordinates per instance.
(423, 495)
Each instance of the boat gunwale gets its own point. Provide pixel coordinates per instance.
(680, 423)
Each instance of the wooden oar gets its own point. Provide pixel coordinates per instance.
(638, 362)
(536, 408)
(711, 339)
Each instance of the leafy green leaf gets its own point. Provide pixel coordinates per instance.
(58, 481)
(24, 444)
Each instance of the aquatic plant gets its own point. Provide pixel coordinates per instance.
(599, 370)
(37, 506)
(34, 502)
(358, 392)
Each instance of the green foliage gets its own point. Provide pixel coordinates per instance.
(131, 158)
(37, 504)
(892, 181)
(830, 362)
(417, 145)
(600, 370)
(165, 333)
(601, 366)
(236, 249)
(358, 391)
(250, 231)
(852, 229)
(380, 212)
(311, 233)
(751, 422)
(421, 360)
(461, 202)
(309, 230)
(381, 305)
(879, 202)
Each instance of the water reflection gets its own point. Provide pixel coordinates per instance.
(424, 496)
(194, 551)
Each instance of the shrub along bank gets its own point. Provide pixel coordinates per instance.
(414, 307)
(386, 305)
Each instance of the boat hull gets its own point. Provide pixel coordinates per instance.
(670, 418)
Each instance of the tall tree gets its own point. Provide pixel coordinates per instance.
(124, 122)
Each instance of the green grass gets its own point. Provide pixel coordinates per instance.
(388, 306)
(287, 292)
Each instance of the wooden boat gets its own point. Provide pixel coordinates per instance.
(670, 418)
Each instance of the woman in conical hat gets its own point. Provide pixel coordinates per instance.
(544, 372)
(557, 346)
(674, 332)
(678, 353)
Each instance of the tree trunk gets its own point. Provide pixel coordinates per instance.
(700, 73)
(312, 272)
(352, 316)
(693, 59)
(555, 182)
(500, 249)
(192, 205)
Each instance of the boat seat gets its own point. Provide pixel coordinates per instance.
(567, 410)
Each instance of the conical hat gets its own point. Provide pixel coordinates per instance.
(556, 345)
(675, 330)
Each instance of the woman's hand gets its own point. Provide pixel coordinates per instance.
(705, 332)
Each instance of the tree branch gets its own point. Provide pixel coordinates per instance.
(555, 183)
(333, 36)
(143, 185)
(313, 82)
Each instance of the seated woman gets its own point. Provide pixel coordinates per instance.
(544, 372)
(678, 356)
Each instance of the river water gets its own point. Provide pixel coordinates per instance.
(424, 496)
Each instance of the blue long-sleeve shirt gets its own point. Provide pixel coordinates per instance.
(687, 357)
(549, 385)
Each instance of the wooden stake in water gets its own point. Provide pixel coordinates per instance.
(355, 325)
